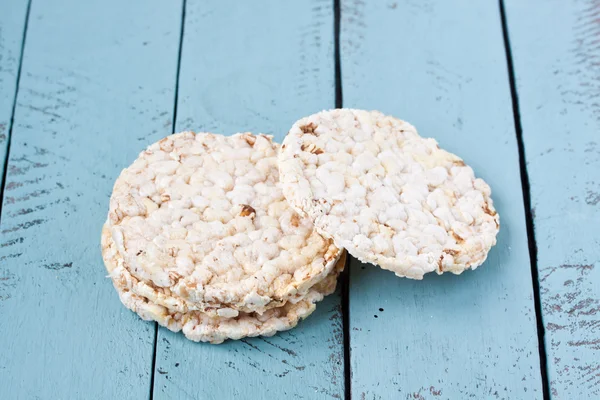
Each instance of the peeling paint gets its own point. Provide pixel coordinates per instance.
(58, 266)
(25, 225)
(592, 198)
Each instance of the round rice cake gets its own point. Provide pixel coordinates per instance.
(202, 217)
(118, 270)
(200, 327)
(387, 195)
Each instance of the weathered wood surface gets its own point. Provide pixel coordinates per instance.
(441, 65)
(97, 85)
(13, 14)
(556, 54)
(256, 66)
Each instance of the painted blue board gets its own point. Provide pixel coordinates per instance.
(256, 66)
(97, 84)
(441, 66)
(556, 54)
(13, 14)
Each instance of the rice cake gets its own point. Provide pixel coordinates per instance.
(201, 327)
(118, 270)
(202, 217)
(387, 195)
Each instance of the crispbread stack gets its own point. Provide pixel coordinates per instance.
(200, 326)
(200, 238)
(229, 237)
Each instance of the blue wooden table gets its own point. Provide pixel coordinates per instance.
(511, 86)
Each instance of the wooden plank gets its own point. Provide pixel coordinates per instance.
(256, 66)
(13, 15)
(441, 65)
(556, 54)
(97, 84)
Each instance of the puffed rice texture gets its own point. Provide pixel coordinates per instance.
(387, 195)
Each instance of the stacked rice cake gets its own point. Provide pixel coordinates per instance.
(200, 238)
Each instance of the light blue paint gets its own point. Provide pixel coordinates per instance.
(256, 66)
(556, 60)
(441, 65)
(97, 85)
(12, 24)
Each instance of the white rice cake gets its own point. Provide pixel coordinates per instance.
(202, 218)
(118, 269)
(387, 195)
(200, 327)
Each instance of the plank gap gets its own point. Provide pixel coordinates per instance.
(14, 107)
(181, 33)
(527, 203)
(174, 124)
(336, 43)
(345, 281)
(156, 327)
(345, 278)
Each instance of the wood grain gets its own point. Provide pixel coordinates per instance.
(97, 84)
(13, 15)
(556, 54)
(256, 66)
(441, 65)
